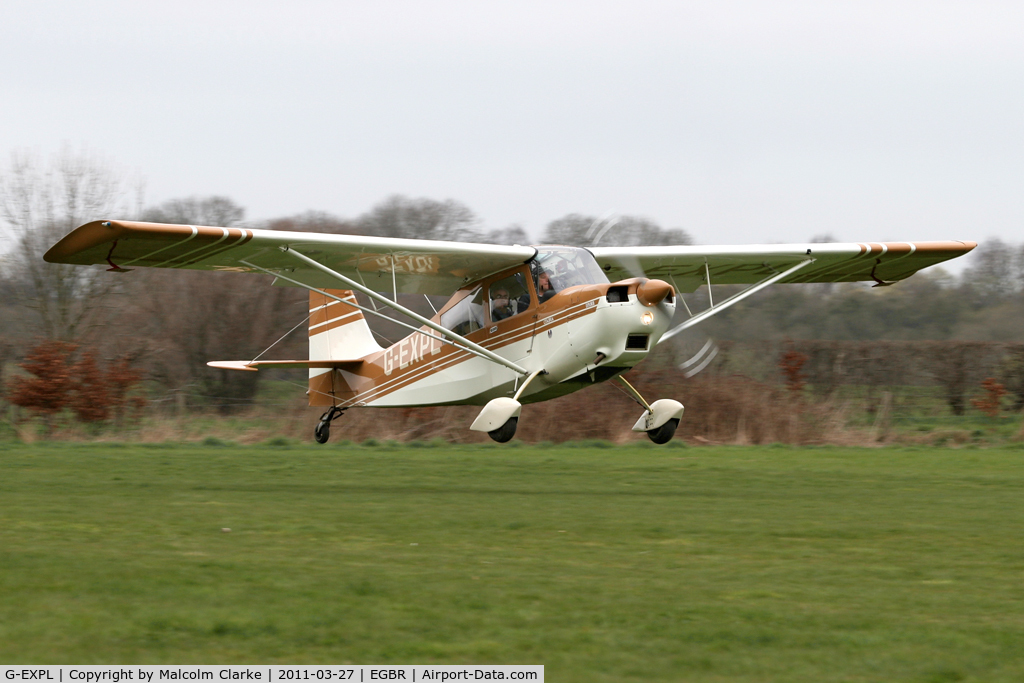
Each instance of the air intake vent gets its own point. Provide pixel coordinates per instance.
(618, 294)
(637, 342)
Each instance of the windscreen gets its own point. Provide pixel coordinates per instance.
(565, 267)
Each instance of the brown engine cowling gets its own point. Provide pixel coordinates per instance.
(653, 292)
(648, 292)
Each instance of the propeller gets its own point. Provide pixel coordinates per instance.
(652, 292)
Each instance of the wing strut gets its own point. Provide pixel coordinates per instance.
(735, 298)
(457, 339)
(347, 303)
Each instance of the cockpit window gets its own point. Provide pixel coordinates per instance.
(465, 316)
(509, 296)
(555, 268)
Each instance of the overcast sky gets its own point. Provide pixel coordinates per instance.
(737, 121)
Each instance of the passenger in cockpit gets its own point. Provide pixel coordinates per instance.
(545, 290)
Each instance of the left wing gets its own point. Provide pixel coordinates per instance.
(417, 266)
(688, 266)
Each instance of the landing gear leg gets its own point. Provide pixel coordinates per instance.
(660, 418)
(322, 431)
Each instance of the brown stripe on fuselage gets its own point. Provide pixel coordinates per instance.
(414, 373)
(449, 355)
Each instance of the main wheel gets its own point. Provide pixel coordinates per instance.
(665, 432)
(322, 432)
(506, 431)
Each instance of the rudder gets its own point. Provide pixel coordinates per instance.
(337, 331)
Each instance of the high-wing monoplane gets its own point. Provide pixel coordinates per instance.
(522, 324)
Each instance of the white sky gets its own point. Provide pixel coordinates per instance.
(737, 121)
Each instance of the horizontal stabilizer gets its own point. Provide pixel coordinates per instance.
(253, 366)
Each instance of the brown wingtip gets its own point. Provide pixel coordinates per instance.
(81, 238)
(949, 246)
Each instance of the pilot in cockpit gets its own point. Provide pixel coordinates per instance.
(545, 290)
(501, 307)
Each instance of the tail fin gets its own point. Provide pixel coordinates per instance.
(337, 331)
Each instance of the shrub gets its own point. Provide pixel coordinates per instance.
(94, 395)
(989, 403)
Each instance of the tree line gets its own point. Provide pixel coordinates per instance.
(167, 324)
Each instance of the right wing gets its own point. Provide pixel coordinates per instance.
(688, 266)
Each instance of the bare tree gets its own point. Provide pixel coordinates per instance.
(619, 231)
(216, 211)
(570, 229)
(314, 221)
(182, 319)
(39, 204)
(634, 231)
(513, 234)
(428, 219)
(996, 272)
(185, 319)
(1019, 263)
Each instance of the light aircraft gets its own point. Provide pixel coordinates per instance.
(524, 323)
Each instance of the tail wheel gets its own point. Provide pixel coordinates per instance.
(506, 431)
(322, 432)
(664, 433)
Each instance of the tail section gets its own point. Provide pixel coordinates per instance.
(337, 331)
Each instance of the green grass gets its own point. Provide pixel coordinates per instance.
(604, 564)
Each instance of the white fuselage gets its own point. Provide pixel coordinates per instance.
(586, 339)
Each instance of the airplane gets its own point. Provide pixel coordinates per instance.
(523, 323)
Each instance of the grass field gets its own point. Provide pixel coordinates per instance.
(604, 564)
